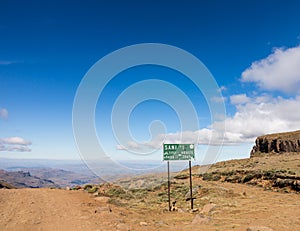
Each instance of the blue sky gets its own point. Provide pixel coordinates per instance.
(46, 47)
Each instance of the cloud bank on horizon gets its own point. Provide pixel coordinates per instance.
(256, 113)
(13, 144)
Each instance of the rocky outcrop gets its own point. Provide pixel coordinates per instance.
(277, 143)
(276, 180)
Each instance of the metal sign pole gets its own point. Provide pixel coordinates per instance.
(191, 187)
(169, 184)
(172, 152)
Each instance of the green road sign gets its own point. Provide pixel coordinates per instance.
(179, 151)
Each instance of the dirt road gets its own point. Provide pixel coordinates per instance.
(51, 209)
(237, 208)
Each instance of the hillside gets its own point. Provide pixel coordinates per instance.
(140, 203)
(276, 172)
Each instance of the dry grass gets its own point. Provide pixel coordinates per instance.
(141, 203)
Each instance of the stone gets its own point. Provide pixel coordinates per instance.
(160, 223)
(142, 223)
(173, 206)
(122, 227)
(200, 219)
(180, 210)
(96, 194)
(194, 210)
(259, 228)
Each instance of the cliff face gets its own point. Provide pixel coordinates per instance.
(277, 143)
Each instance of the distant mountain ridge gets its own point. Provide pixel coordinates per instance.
(21, 179)
(63, 177)
(277, 143)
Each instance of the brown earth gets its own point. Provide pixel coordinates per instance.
(219, 205)
(237, 208)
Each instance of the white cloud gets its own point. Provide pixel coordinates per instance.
(3, 113)
(279, 71)
(15, 140)
(262, 115)
(17, 148)
(120, 147)
(13, 144)
(253, 117)
(216, 99)
(17, 144)
(239, 99)
(222, 88)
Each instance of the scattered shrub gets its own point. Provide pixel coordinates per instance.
(211, 177)
(92, 190)
(247, 178)
(182, 177)
(87, 187)
(291, 172)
